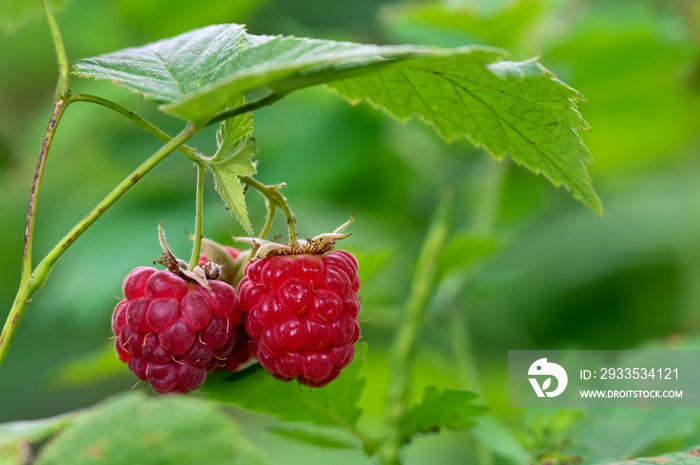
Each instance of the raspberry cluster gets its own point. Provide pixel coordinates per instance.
(170, 330)
(301, 314)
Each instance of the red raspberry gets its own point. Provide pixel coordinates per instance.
(170, 330)
(231, 251)
(302, 314)
(240, 352)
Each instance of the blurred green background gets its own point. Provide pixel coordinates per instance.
(539, 269)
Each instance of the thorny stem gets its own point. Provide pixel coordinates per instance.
(273, 195)
(38, 277)
(412, 318)
(62, 90)
(194, 260)
(186, 150)
(58, 111)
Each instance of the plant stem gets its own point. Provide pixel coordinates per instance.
(247, 108)
(62, 90)
(194, 260)
(38, 277)
(411, 320)
(271, 210)
(186, 150)
(273, 195)
(58, 111)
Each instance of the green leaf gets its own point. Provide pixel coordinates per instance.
(682, 458)
(21, 435)
(499, 439)
(138, 429)
(514, 108)
(254, 389)
(315, 439)
(449, 409)
(236, 148)
(195, 75)
(16, 13)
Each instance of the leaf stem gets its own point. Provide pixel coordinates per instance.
(194, 260)
(274, 196)
(62, 90)
(412, 318)
(269, 99)
(186, 150)
(28, 287)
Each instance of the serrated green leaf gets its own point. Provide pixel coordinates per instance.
(197, 74)
(254, 389)
(138, 429)
(315, 439)
(233, 159)
(450, 409)
(514, 108)
(682, 458)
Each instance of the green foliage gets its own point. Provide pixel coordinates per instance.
(18, 437)
(683, 458)
(254, 389)
(515, 108)
(449, 408)
(137, 429)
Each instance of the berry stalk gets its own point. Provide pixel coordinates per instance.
(196, 249)
(412, 318)
(274, 196)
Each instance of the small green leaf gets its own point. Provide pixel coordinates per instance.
(449, 409)
(315, 439)
(138, 429)
(233, 159)
(254, 389)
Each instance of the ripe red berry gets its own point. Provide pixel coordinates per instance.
(302, 314)
(170, 330)
(233, 252)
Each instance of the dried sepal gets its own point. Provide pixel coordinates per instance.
(174, 265)
(317, 245)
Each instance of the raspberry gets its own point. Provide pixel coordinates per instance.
(240, 352)
(302, 314)
(231, 251)
(170, 330)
